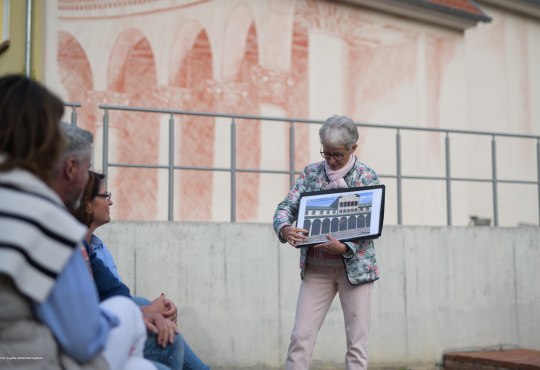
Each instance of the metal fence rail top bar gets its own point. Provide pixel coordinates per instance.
(307, 121)
(73, 105)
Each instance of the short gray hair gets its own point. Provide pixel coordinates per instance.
(78, 141)
(337, 131)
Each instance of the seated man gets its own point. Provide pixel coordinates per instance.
(164, 344)
(51, 317)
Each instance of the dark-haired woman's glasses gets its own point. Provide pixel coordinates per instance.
(337, 156)
(107, 195)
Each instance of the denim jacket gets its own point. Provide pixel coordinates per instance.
(360, 263)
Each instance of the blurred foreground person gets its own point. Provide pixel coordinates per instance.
(50, 316)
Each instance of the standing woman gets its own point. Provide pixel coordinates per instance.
(347, 268)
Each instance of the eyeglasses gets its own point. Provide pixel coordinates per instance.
(107, 195)
(338, 157)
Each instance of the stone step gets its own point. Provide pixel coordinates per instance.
(512, 359)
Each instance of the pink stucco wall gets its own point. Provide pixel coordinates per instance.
(242, 56)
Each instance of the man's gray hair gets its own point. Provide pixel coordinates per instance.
(337, 131)
(78, 141)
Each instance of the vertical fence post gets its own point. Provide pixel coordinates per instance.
(170, 209)
(73, 116)
(494, 176)
(448, 182)
(233, 170)
(398, 176)
(105, 141)
(291, 155)
(28, 40)
(538, 174)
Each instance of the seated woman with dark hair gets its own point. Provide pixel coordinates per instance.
(164, 344)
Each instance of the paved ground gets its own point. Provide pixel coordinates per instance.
(503, 359)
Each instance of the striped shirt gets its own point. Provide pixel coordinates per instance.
(37, 233)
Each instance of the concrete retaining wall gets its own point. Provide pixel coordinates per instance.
(441, 288)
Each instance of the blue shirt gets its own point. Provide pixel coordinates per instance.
(104, 254)
(106, 282)
(72, 312)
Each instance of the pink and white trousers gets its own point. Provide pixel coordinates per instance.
(317, 291)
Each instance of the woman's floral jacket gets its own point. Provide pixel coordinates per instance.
(360, 263)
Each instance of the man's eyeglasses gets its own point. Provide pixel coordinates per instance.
(338, 157)
(107, 195)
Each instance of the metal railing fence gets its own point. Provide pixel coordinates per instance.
(292, 172)
(73, 113)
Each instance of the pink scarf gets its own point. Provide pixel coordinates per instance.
(336, 177)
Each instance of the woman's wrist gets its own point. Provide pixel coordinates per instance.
(282, 230)
(348, 253)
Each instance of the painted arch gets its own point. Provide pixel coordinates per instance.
(132, 79)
